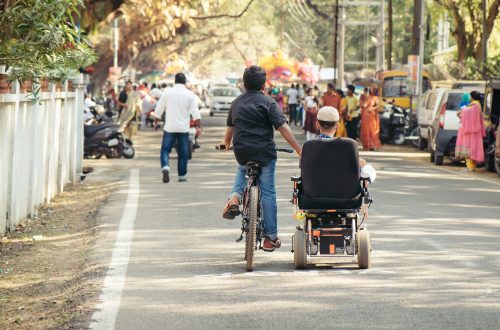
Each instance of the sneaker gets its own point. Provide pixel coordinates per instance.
(231, 210)
(269, 245)
(166, 176)
(183, 179)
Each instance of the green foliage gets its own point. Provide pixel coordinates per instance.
(39, 39)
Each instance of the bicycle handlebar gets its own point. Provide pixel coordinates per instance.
(287, 150)
(278, 149)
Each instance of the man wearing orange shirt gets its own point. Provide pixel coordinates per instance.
(331, 98)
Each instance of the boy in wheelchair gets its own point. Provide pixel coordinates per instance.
(331, 197)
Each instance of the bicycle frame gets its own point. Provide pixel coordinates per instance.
(252, 175)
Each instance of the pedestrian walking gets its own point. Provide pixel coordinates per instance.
(341, 130)
(179, 104)
(330, 98)
(302, 110)
(131, 111)
(370, 123)
(156, 92)
(148, 104)
(470, 133)
(122, 98)
(352, 113)
(311, 104)
(293, 96)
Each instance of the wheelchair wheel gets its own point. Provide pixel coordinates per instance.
(299, 249)
(251, 235)
(364, 248)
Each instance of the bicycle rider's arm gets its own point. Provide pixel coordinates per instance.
(287, 134)
(228, 137)
(362, 162)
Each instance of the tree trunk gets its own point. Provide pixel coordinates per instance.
(459, 33)
(490, 23)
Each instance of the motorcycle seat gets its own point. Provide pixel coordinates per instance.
(89, 130)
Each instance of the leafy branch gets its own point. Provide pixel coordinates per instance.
(39, 40)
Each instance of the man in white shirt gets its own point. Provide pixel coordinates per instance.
(180, 105)
(293, 101)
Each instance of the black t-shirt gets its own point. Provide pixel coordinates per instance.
(123, 99)
(253, 116)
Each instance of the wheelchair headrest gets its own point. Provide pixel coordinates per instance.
(330, 168)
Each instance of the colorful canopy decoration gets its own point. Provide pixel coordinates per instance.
(307, 71)
(277, 66)
(280, 68)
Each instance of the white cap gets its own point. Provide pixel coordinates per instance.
(329, 114)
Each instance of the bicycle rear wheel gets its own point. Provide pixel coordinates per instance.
(251, 234)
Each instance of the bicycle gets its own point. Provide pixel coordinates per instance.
(251, 223)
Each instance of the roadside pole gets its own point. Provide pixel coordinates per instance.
(335, 33)
(416, 60)
(420, 69)
(115, 56)
(340, 62)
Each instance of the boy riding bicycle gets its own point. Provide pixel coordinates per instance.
(251, 122)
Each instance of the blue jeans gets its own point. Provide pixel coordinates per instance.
(269, 208)
(182, 149)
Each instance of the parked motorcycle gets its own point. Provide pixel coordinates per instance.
(395, 125)
(96, 115)
(105, 139)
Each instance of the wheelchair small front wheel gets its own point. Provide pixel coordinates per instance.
(364, 248)
(299, 249)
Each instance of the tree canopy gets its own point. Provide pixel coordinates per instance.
(39, 39)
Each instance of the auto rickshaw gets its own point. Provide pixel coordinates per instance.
(395, 88)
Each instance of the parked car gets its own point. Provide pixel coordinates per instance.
(443, 131)
(219, 99)
(426, 114)
(491, 112)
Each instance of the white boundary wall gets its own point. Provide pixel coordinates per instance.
(41, 149)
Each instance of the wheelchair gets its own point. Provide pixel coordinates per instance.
(331, 203)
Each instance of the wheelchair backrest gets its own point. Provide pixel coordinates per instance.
(330, 168)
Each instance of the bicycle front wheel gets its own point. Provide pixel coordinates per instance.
(251, 233)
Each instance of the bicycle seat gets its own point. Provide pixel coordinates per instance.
(253, 168)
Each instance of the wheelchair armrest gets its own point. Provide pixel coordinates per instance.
(296, 178)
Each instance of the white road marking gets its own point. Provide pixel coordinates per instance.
(107, 309)
(444, 250)
(376, 270)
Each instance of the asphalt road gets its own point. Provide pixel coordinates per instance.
(175, 263)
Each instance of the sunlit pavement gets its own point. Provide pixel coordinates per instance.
(435, 259)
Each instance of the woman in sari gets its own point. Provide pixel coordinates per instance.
(370, 123)
(470, 133)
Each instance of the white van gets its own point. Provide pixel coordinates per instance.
(444, 128)
(427, 113)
